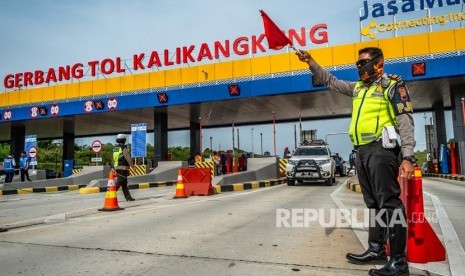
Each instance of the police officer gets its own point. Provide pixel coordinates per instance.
(122, 162)
(9, 165)
(379, 100)
(24, 166)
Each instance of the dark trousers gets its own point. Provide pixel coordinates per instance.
(122, 181)
(377, 170)
(9, 177)
(25, 174)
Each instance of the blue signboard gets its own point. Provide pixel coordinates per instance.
(139, 143)
(30, 146)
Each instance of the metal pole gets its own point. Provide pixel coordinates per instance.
(238, 145)
(295, 136)
(200, 121)
(211, 144)
(274, 132)
(252, 145)
(463, 110)
(261, 143)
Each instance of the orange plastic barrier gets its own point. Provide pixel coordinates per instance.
(423, 245)
(111, 200)
(197, 181)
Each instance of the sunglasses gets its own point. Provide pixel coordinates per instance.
(362, 62)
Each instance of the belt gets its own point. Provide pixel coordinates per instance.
(369, 144)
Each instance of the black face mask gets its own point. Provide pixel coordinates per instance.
(369, 70)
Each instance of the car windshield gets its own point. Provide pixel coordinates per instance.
(311, 151)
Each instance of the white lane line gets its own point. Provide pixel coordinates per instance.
(139, 210)
(454, 249)
(362, 235)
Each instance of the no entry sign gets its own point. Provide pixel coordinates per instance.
(32, 152)
(96, 146)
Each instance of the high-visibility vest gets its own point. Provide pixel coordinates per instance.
(371, 111)
(118, 157)
(8, 164)
(23, 161)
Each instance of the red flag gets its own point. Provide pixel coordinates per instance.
(275, 36)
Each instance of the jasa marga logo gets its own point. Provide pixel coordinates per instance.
(394, 7)
(378, 10)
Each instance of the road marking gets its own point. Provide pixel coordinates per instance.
(457, 255)
(38, 222)
(454, 249)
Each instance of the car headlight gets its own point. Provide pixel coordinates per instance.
(322, 162)
(292, 162)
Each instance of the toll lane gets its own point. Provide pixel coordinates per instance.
(230, 233)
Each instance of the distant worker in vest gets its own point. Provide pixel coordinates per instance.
(381, 110)
(215, 159)
(24, 166)
(352, 160)
(122, 162)
(9, 165)
(198, 158)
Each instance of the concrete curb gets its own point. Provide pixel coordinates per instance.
(51, 189)
(248, 185)
(457, 177)
(354, 187)
(92, 190)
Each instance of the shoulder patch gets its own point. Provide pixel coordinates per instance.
(401, 100)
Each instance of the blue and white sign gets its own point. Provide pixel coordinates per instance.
(139, 140)
(30, 146)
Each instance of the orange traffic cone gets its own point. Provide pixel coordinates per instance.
(111, 201)
(180, 191)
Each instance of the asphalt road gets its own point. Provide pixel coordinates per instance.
(225, 234)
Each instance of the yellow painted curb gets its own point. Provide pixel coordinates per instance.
(90, 190)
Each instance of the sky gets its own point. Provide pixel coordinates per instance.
(41, 34)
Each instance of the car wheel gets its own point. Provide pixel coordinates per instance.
(329, 182)
(290, 182)
(333, 180)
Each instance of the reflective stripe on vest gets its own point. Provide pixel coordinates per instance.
(371, 111)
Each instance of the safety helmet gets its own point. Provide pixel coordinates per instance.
(121, 139)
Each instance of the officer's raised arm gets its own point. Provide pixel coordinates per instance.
(324, 77)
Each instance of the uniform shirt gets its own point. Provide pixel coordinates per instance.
(24, 162)
(405, 125)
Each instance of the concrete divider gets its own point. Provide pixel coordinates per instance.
(82, 178)
(257, 169)
(165, 171)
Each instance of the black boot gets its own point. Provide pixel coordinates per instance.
(397, 264)
(376, 252)
(126, 193)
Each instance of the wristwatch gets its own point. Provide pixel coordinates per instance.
(411, 159)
